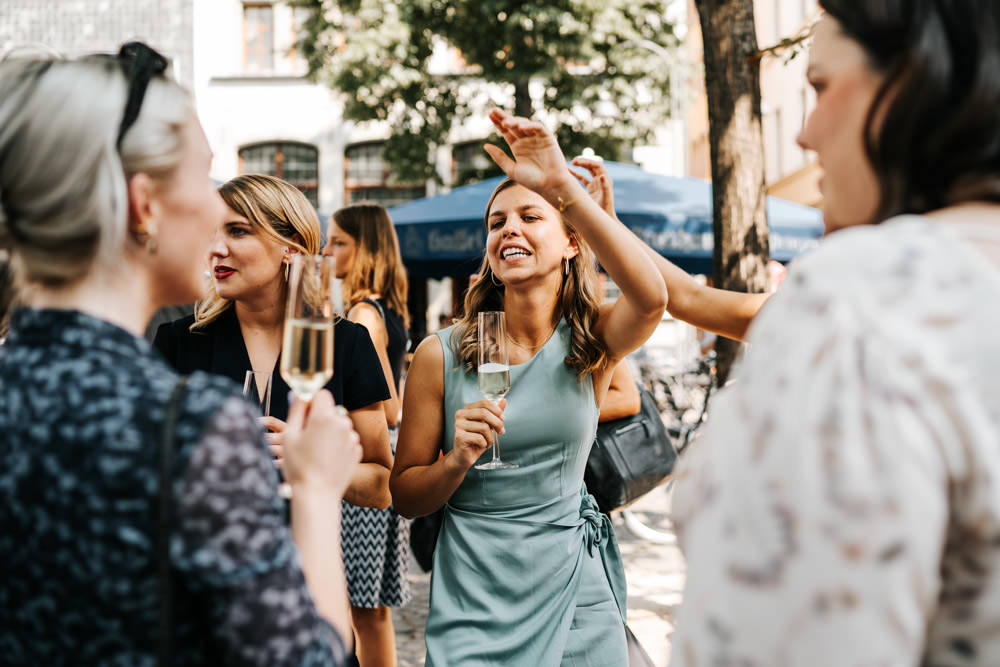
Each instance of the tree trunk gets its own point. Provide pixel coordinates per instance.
(732, 85)
(522, 100)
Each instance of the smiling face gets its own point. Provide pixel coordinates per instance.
(246, 264)
(342, 247)
(846, 87)
(525, 236)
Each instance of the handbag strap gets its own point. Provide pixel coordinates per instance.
(165, 649)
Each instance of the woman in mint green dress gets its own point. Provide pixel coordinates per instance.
(526, 570)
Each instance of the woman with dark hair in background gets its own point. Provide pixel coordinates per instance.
(238, 326)
(842, 506)
(375, 541)
(109, 535)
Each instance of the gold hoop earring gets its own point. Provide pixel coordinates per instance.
(493, 278)
(145, 238)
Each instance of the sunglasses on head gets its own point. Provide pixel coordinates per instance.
(140, 63)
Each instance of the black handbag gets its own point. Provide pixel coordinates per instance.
(630, 457)
(424, 531)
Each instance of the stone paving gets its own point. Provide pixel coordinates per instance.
(655, 574)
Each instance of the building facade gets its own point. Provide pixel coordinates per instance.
(790, 172)
(75, 28)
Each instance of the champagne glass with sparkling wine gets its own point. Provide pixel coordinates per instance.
(494, 372)
(307, 344)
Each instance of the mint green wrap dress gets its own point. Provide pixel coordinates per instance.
(526, 570)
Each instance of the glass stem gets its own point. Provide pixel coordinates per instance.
(496, 440)
(496, 446)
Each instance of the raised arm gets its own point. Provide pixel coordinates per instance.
(538, 164)
(266, 603)
(720, 311)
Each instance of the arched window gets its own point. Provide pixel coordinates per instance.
(294, 162)
(367, 178)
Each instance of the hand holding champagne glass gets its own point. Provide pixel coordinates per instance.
(307, 345)
(494, 372)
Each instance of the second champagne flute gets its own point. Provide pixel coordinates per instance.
(494, 372)
(307, 344)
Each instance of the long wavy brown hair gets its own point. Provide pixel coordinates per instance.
(276, 210)
(579, 303)
(378, 266)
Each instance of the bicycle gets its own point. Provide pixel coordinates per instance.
(682, 398)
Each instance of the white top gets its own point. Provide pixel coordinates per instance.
(842, 506)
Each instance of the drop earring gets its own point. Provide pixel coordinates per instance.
(286, 271)
(566, 266)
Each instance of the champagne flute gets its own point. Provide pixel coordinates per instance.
(257, 390)
(494, 372)
(307, 344)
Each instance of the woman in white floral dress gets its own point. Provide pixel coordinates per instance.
(843, 504)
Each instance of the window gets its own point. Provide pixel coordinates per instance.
(296, 163)
(300, 15)
(387, 197)
(471, 164)
(364, 163)
(258, 38)
(368, 178)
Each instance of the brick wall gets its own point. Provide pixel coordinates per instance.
(75, 27)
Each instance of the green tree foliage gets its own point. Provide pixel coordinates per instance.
(592, 68)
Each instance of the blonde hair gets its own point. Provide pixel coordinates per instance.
(275, 209)
(378, 265)
(63, 182)
(579, 302)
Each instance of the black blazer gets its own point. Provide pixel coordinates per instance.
(218, 348)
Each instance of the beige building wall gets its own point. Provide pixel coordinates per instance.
(786, 99)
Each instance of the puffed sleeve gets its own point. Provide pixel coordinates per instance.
(814, 508)
(237, 554)
(364, 381)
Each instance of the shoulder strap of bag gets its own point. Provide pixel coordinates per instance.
(165, 657)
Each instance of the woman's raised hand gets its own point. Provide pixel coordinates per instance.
(320, 446)
(475, 424)
(599, 184)
(538, 162)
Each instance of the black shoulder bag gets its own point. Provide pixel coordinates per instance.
(630, 457)
(165, 649)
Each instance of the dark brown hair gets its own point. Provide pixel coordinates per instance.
(937, 138)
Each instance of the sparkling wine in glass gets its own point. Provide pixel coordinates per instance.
(307, 344)
(494, 372)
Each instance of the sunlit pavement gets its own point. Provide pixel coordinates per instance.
(655, 574)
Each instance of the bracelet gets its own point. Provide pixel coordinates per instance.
(563, 205)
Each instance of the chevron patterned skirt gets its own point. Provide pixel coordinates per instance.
(375, 544)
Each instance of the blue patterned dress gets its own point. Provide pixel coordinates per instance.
(81, 409)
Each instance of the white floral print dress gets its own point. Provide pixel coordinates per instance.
(843, 504)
